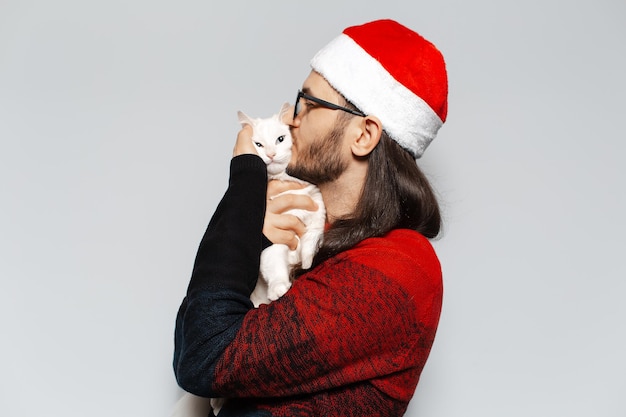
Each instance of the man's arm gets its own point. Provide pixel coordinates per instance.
(223, 277)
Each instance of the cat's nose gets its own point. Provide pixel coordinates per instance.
(271, 155)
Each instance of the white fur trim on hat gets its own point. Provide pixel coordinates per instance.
(362, 80)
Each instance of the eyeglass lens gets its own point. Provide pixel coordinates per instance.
(297, 107)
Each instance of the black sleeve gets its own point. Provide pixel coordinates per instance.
(224, 275)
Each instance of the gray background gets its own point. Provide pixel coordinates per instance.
(117, 120)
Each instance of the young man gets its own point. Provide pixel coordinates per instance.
(352, 335)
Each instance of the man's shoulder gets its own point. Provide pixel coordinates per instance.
(398, 242)
(399, 253)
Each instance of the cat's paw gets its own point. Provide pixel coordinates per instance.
(274, 292)
(307, 261)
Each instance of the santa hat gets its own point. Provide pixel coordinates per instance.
(389, 71)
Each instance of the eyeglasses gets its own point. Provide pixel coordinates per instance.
(323, 103)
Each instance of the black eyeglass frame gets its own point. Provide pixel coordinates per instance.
(297, 107)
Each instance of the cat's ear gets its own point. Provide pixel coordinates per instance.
(244, 119)
(283, 110)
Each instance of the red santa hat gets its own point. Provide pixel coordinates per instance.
(389, 71)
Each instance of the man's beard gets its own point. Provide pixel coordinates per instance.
(321, 162)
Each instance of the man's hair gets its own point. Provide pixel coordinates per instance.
(396, 195)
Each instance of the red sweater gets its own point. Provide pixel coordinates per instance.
(350, 338)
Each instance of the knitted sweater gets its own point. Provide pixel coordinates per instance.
(350, 338)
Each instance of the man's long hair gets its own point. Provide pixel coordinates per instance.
(396, 194)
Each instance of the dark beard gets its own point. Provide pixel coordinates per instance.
(321, 162)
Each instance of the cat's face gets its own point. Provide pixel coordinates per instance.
(273, 143)
(272, 139)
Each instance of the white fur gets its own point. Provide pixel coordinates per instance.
(276, 260)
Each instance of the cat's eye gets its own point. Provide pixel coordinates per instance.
(258, 144)
(280, 139)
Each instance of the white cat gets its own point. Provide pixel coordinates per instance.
(273, 141)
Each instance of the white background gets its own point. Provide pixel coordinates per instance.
(117, 119)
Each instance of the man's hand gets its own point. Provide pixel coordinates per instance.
(285, 228)
(244, 143)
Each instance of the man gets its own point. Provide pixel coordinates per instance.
(352, 335)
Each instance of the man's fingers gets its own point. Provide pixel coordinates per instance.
(283, 229)
(289, 238)
(280, 226)
(275, 187)
(284, 202)
(290, 223)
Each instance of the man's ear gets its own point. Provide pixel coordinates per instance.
(370, 131)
